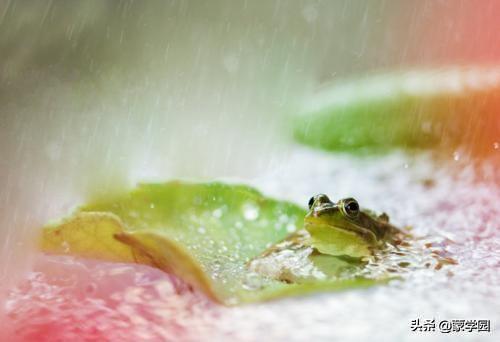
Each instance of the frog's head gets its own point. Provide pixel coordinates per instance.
(346, 215)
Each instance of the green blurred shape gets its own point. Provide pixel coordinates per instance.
(443, 109)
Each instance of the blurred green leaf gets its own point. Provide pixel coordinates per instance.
(441, 109)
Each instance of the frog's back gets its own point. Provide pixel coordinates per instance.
(378, 224)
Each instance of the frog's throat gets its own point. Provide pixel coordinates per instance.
(364, 233)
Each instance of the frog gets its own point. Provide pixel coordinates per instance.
(337, 240)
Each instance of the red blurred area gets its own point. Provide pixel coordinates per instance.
(71, 299)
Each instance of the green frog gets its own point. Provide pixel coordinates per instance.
(338, 239)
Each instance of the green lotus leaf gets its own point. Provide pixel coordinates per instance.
(204, 233)
(443, 109)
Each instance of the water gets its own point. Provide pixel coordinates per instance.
(449, 206)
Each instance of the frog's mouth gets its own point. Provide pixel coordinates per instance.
(342, 223)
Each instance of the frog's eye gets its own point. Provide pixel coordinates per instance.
(311, 202)
(350, 207)
(320, 199)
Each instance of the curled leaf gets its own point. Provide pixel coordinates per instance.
(204, 233)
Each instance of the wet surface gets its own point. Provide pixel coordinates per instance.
(452, 210)
(67, 298)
